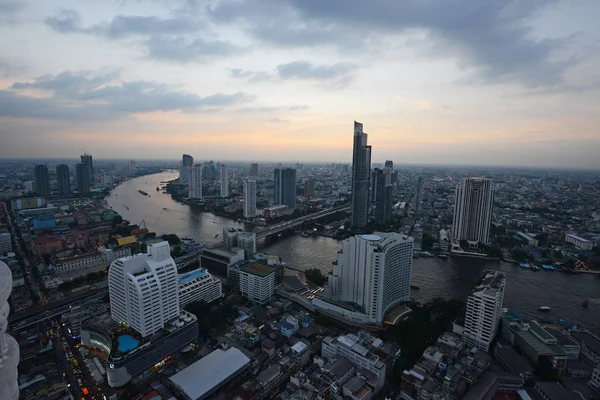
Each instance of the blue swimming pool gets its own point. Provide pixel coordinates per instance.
(126, 343)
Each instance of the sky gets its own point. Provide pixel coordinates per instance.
(481, 82)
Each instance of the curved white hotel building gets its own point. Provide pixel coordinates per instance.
(372, 276)
(9, 348)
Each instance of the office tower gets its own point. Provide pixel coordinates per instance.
(195, 182)
(372, 272)
(63, 179)
(144, 290)
(474, 200)
(284, 192)
(382, 189)
(186, 162)
(389, 164)
(418, 199)
(247, 242)
(9, 348)
(224, 181)
(309, 188)
(361, 172)
(83, 178)
(41, 180)
(253, 170)
(87, 160)
(249, 198)
(484, 310)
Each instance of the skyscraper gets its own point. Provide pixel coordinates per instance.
(247, 242)
(41, 180)
(63, 179)
(474, 200)
(382, 193)
(186, 162)
(249, 198)
(309, 188)
(284, 191)
(372, 272)
(484, 310)
(389, 164)
(253, 170)
(418, 199)
(9, 348)
(195, 182)
(224, 181)
(361, 173)
(87, 160)
(83, 178)
(143, 289)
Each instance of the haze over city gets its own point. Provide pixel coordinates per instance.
(463, 82)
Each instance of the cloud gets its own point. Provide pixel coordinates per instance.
(66, 21)
(84, 96)
(166, 39)
(493, 39)
(422, 104)
(336, 75)
(339, 74)
(182, 49)
(9, 10)
(250, 76)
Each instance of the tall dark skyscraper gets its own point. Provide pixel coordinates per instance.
(419, 195)
(253, 170)
(83, 178)
(63, 180)
(186, 162)
(41, 180)
(389, 164)
(382, 188)
(361, 174)
(87, 160)
(285, 187)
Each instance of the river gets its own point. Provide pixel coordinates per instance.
(452, 278)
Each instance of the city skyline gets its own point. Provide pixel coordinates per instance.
(227, 80)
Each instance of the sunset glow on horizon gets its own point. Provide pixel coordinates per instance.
(467, 82)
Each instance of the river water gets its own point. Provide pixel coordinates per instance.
(452, 278)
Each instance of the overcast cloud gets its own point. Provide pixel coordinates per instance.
(424, 77)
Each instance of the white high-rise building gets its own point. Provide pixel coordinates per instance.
(247, 242)
(473, 204)
(484, 310)
(9, 348)
(198, 285)
(374, 273)
(249, 198)
(143, 289)
(195, 182)
(224, 181)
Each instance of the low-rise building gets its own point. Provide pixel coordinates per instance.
(5, 243)
(198, 285)
(255, 280)
(579, 242)
(590, 346)
(218, 261)
(46, 244)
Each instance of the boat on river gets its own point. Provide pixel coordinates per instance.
(415, 286)
(545, 309)
(142, 192)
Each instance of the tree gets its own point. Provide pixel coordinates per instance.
(315, 276)
(172, 239)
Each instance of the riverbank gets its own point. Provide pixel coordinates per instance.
(454, 277)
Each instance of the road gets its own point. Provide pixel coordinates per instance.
(290, 224)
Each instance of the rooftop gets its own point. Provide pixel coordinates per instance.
(190, 276)
(562, 339)
(203, 376)
(541, 331)
(259, 269)
(591, 342)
